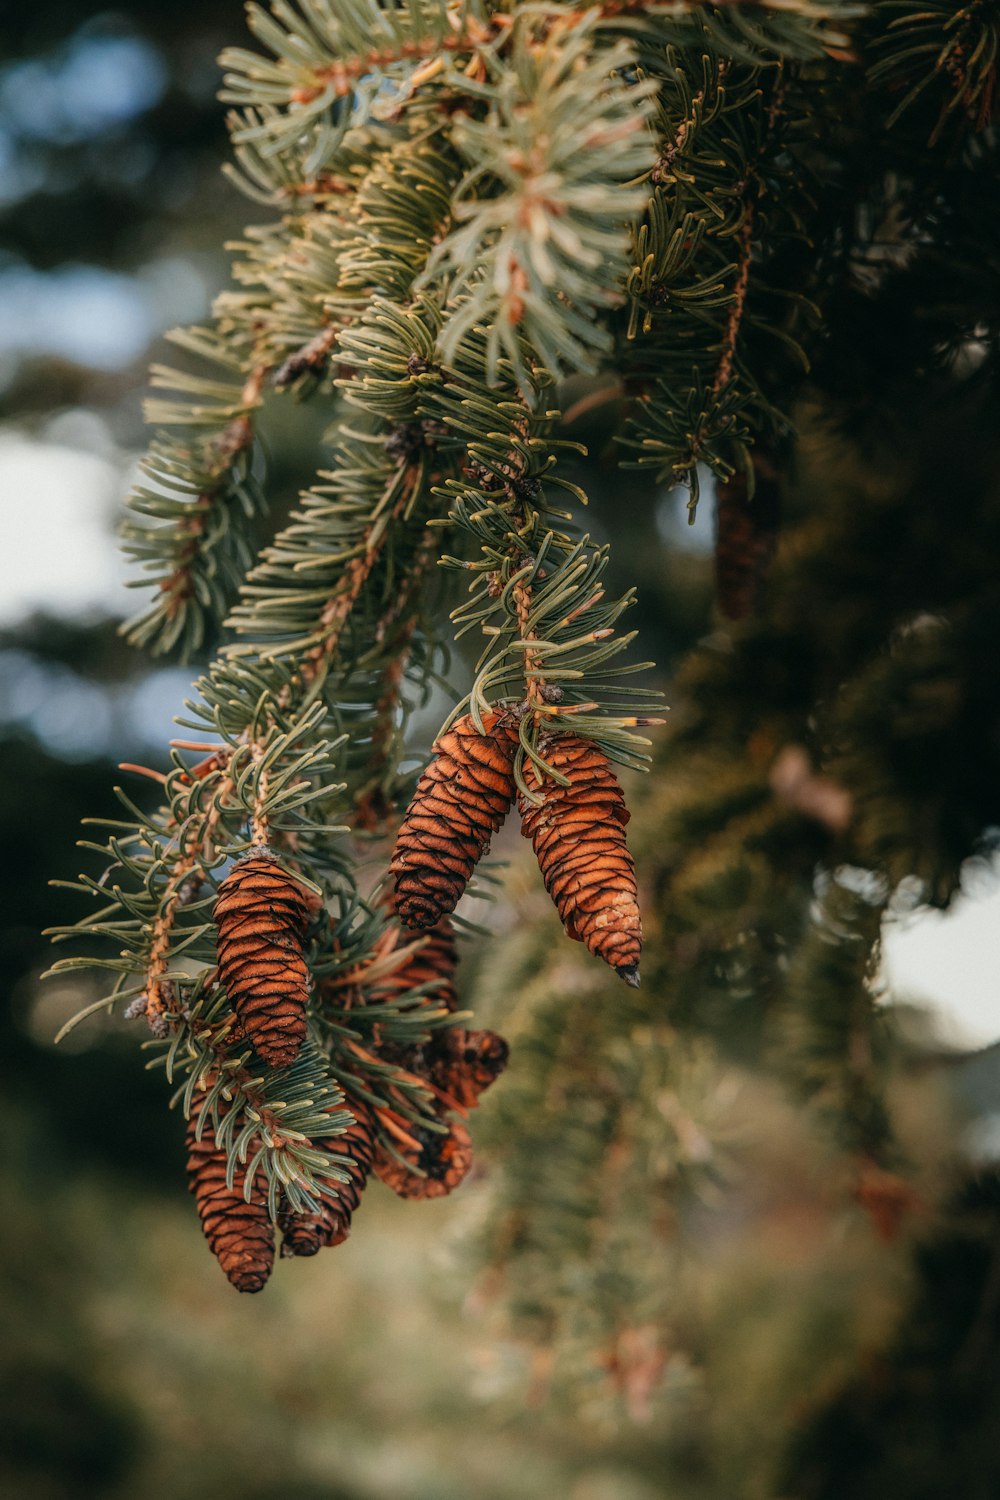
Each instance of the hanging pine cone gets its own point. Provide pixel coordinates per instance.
(746, 533)
(430, 967)
(465, 1063)
(458, 1064)
(578, 833)
(262, 914)
(240, 1234)
(462, 1063)
(445, 1159)
(434, 965)
(460, 801)
(306, 1234)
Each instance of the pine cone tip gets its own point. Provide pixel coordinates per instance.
(250, 1280)
(417, 914)
(630, 974)
(299, 1249)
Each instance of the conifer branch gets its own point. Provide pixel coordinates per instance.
(937, 47)
(196, 499)
(393, 637)
(469, 204)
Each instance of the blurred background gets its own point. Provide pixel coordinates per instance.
(812, 1357)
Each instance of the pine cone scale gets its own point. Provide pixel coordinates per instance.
(466, 1063)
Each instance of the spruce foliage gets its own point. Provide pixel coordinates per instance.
(690, 209)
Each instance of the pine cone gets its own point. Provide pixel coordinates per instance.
(578, 834)
(240, 1234)
(444, 1158)
(460, 801)
(465, 1063)
(746, 533)
(432, 965)
(306, 1234)
(461, 1063)
(262, 914)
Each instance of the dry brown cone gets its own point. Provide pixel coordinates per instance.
(306, 1234)
(578, 833)
(463, 1064)
(746, 533)
(460, 801)
(432, 965)
(445, 1159)
(262, 914)
(458, 1065)
(240, 1234)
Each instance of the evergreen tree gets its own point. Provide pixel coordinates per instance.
(757, 243)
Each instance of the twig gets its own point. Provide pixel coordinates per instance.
(534, 683)
(724, 369)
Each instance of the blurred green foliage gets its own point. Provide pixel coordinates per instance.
(810, 1361)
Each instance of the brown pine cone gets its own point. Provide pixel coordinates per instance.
(461, 1063)
(432, 965)
(262, 914)
(444, 1158)
(240, 1234)
(465, 1063)
(746, 534)
(578, 833)
(460, 801)
(306, 1234)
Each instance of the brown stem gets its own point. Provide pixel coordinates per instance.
(157, 997)
(258, 821)
(187, 878)
(534, 684)
(342, 75)
(468, 35)
(734, 321)
(338, 608)
(310, 359)
(724, 369)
